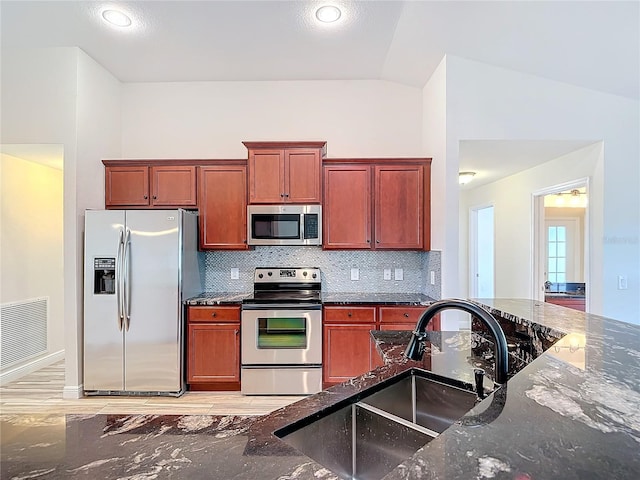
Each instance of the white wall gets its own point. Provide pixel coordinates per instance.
(512, 198)
(98, 136)
(486, 102)
(31, 239)
(61, 96)
(211, 119)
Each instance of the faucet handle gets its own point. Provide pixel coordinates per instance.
(478, 374)
(416, 347)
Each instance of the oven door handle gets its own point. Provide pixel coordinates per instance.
(283, 306)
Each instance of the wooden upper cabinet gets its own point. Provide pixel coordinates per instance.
(285, 172)
(376, 204)
(173, 186)
(266, 176)
(302, 169)
(126, 186)
(150, 185)
(398, 207)
(347, 207)
(223, 207)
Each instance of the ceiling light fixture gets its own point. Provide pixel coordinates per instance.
(328, 14)
(465, 177)
(117, 18)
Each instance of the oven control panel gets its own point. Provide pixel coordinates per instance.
(287, 275)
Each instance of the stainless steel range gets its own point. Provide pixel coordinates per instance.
(282, 333)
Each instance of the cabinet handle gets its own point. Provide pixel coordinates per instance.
(282, 195)
(236, 331)
(146, 196)
(406, 315)
(213, 314)
(155, 198)
(349, 314)
(377, 241)
(368, 240)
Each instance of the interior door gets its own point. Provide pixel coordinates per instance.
(482, 252)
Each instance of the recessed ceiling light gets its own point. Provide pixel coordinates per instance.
(328, 13)
(117, 18)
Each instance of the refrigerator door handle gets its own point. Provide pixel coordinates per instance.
(127, 279)
(119, 285)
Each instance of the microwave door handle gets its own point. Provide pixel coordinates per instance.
(302, 219)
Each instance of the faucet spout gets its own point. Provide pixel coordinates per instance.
(415, 349)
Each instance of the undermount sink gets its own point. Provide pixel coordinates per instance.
(368, 435)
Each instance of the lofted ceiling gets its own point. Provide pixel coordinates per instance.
(595, 45)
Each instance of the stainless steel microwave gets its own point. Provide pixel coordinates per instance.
(284, 224)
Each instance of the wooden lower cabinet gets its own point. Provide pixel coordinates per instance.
(574, 303)
(347, 352)
(213, 348)
(404, 318)
(348, 349)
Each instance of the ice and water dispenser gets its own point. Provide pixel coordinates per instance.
(104, 276)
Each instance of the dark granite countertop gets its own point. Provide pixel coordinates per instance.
(376, 298)
(218, 298)
(221, 298)
(571, 413)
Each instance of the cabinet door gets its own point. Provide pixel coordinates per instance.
(223, 207)
(266, 176)
(173, 186)
(399, 207)
(214, 353)
(347, 352)
(574, 303)
(219, 314)
(347, 207)
(126, 186)
(302, 176)
(405, 318)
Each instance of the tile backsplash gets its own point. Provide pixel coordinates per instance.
(335, 266)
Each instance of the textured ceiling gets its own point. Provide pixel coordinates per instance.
(595, 45)
(591, 44)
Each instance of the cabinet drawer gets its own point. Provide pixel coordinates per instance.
(214, 314)
(400, 314)
(349, 314)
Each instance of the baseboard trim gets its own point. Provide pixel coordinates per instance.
(71, 392)
(36, 364)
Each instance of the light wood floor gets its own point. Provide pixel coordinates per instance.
(41, 392)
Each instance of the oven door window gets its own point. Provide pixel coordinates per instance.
(275, 226)
(282, 332)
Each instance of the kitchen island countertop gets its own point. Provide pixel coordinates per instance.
(570, 413)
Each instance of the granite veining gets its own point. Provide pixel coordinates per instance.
(570, 412)
(365, 298)
(218, 298)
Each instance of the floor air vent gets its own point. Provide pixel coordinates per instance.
(24, 330)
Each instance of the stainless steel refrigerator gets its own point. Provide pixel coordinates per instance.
(139, 266)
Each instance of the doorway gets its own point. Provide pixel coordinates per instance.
(561, 233)
(481, 252)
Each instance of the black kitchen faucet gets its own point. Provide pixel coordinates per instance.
(415, 349)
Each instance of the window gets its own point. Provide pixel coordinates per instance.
(557, 245)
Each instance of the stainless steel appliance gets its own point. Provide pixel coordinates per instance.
(284, 225)
(282, 333)
(139, 265)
